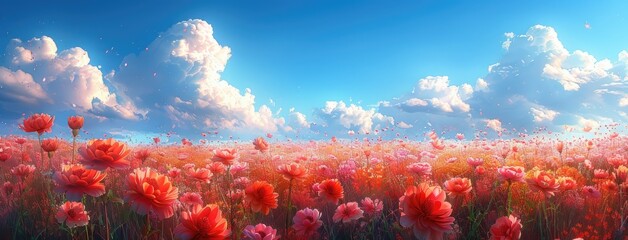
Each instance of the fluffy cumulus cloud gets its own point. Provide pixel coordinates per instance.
(538, 82)
(178, 78)
(37, 76)
(176, 83)
(337, 117)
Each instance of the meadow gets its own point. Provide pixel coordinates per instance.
(539, 186)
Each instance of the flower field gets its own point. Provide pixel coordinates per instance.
(529, 187)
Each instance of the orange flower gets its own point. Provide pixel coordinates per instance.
(261, 144)
(202, 223)
(149, 191)
(102, 154)
(73, 214)
(50, 145)
(425, 210)
(39, 123)
(261, 197)
(506, 228)
(292, 171)
(75, 181)
(225, 156)
(458, 187)
(331, 190)
(544, 182)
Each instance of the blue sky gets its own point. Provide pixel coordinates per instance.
(304, 54)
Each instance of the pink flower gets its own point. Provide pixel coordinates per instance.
(474, 162)
(225, 156)
(73, 214)
(23, 171)
(420, 168)
(260, 232)
(191, 198)
(292, 171)
(424, 209)
(348, 212)
(506, 228)
(372, 207)
(307, 221)
(200, 174)
(511, 173)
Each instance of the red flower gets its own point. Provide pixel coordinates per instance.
(261, 197)
(75, 122)
(292, 171)
(202, 223)
(331, 190)
(50, 145)
(73, 214)
(102, 154)
(506, 228)
(39, 123)
(261, 144)
(5, 151)
(425, 210)
(225, 156)
(149, 191)
(75, 181)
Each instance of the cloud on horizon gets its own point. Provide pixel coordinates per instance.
(176, 84)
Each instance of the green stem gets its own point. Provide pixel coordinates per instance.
(509, 201)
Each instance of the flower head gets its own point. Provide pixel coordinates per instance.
(348, 212)
(202, 223)
(458, 187)
(331, 190)
(261, 144)
(261, 197)
(292, 171)
(424, 209)
(307, 221)
(506, 228)
(543, 182)
(149, 191)
(75, 181)
(260, 232)
(511, 173)
(73, 214)
(39, 123)
(225, 156)
(102, 154)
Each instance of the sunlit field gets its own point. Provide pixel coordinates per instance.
(542, 186)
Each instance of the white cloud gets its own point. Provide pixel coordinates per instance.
(183, 67)
(542, 114)
(494, 124)
(46, 79)
(404, 125)
(481, 85)
(336, 116)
